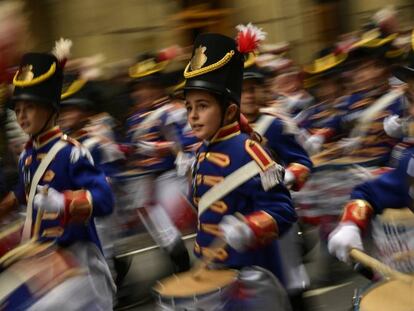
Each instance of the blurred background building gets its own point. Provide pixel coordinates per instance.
(121, 28)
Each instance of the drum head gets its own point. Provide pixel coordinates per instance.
(393, 295)
(185, 284)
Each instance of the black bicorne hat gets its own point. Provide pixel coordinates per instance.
(80, 93)
(38, 79)
(216, 66)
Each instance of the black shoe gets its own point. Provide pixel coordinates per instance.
(121, 266)
(297, 302)
(180, 257)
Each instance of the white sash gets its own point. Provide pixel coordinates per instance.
(228, 184)
(35, 181)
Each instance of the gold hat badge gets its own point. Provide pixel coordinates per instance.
(26, 74)
(199, 58)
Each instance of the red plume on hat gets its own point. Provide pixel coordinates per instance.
(62, 51)
(249, 38)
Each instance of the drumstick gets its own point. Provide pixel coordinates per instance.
(378, 266)
(39, 216)
(207, 259)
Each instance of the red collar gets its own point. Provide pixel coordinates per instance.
(47, 136)
(226, 132)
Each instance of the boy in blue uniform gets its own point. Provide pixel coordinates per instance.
(278, 131)
(237, 187)
(369, 85)
(156, 130)
(391, 191)
(80, 102)
(59, 183)
(278, 134)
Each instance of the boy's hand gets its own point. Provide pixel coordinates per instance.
(236, 233)
(345, 237)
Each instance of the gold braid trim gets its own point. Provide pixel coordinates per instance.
(36, 80)
(190, 74)
(250, 61)
(379, 42)
(134, 71)
(394, 53)
(73, 88)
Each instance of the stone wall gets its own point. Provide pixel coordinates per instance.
(122, 28)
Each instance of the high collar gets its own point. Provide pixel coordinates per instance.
(46, 137)
(226, 132)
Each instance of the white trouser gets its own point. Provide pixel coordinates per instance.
(294, 271)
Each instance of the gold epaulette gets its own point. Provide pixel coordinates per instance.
(71, 140)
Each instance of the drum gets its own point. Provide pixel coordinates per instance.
(327, 191)
(10, 235)
(29, 279)
(393, 236)
(392, 295)
(210, 290)
(136, 189)
(251, 288)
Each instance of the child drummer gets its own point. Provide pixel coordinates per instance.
(237, 187)
(58, 182)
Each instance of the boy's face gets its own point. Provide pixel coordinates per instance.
(369, 76)
(249, 99)
(31, 116)
(203, 113)
(70, 117)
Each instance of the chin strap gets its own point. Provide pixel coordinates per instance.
(45, 124)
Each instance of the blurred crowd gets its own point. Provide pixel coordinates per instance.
(344, 119)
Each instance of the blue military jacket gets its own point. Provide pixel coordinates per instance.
(105, 156)
(161, 124)
(225, 153)
(375, 145)
(390, 190)
(71, 169)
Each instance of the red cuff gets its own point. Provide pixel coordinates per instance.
(301, 173)
(359, 212)
(78, 206)
(263, 226)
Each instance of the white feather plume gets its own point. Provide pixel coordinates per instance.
(258, 32)
(62, 49)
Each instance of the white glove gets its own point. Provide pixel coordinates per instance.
(345, 237)
(53, 201)
(314, 144)
(392, 126)
(289, 178)
(183, 163)
(236, 233)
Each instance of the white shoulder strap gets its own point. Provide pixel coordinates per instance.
(228, 184)
(35, 181)
(263, 124)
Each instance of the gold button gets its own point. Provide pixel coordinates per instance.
(207, 155)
